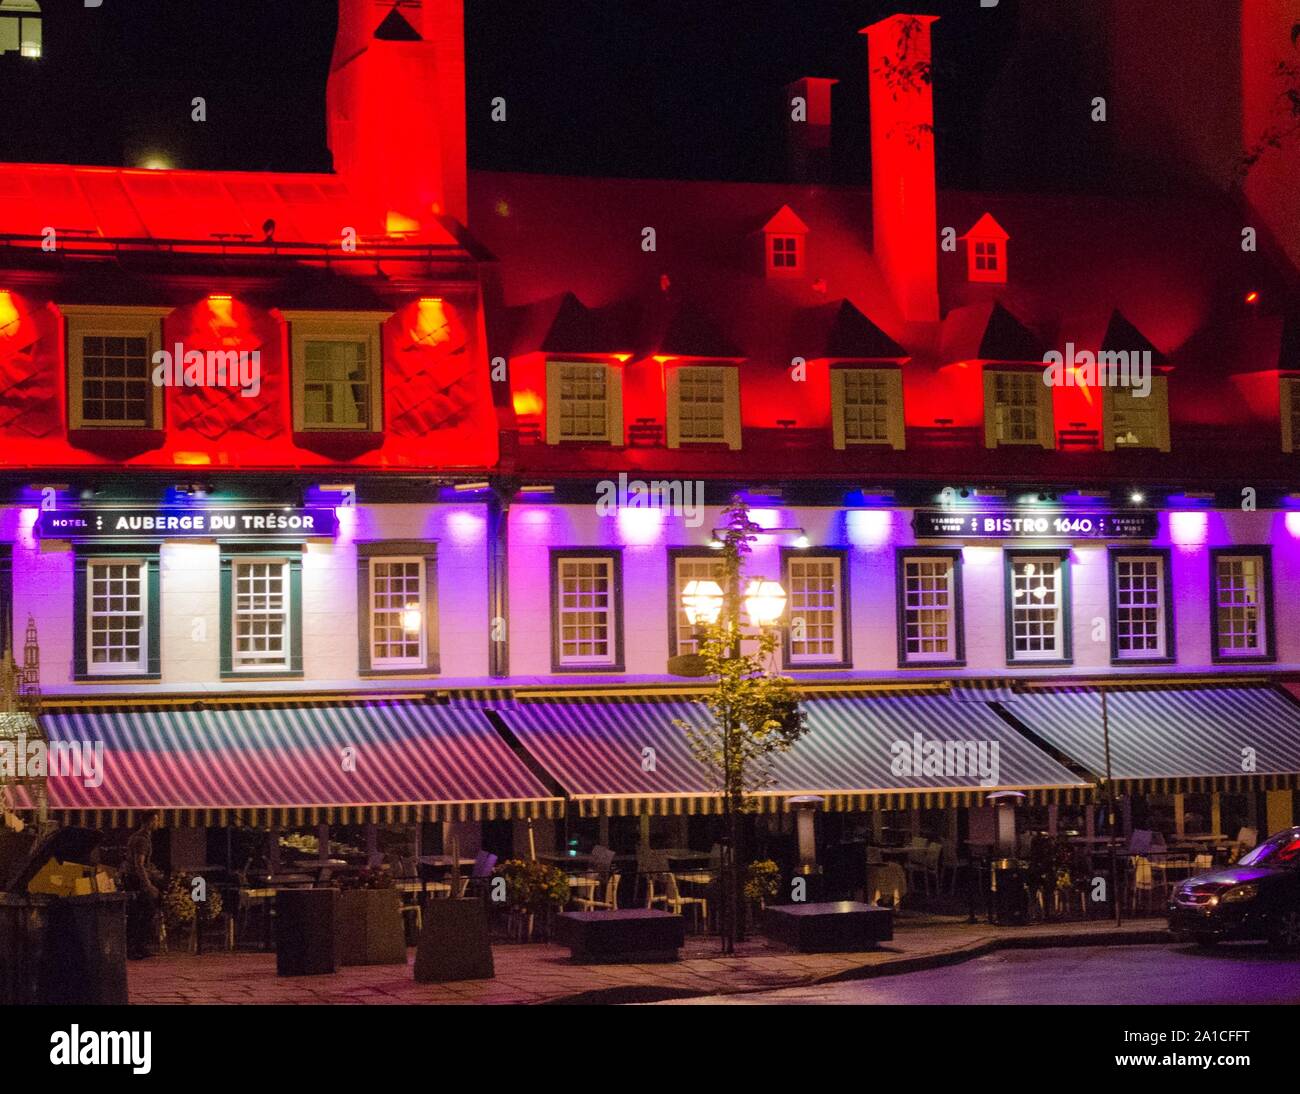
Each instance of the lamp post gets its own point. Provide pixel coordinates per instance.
(711, 608)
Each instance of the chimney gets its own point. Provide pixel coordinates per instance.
(396, 109)
(808, 132)
(903, 216)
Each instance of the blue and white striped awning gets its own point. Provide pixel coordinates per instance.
(629, 756)
(295, 764)
(1173, 740)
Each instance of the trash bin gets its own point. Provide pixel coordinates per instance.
(1010, 886)
(306, 933)
(63, 926)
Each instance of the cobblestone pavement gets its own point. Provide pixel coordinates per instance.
(543, 973)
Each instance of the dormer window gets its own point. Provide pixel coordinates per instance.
(785, 237)
(20, 27)
(986, 251)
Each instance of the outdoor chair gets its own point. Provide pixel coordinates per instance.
(1140, 841)
(926, 866)
(887, 878)
(1143, 881)
(1246, 839)
(651, 866)
(610, 903)
(673, 901)
(480, 874)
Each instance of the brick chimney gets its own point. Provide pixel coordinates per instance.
(904, 220)
(808, 142)
(396, 108)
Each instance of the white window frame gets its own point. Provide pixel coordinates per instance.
(1115, 402)
(26, 20)
(613, 640)
(891, 380)
(691, 568)
(797, 608)
(354, 327)
(1044, 427)
(96, 321)
(1058, 602)
(420, 660)
(728, 376)
(1261, 648)
(1159, 606)
(239, 662)
(140, 666)
(613, 376)
(909, 610)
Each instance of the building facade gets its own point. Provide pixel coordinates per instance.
(415, 461)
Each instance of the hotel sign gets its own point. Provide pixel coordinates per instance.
(167, 522)
(1031, 524)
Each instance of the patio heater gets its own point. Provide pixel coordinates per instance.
(804, 807)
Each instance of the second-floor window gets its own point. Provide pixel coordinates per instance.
(1137, 421)
(815, 609)
(1038, 621)
(867, 406)
(704, 405)
(784, 253)
(586, 619)
(337, 370)
(1242, 606)
(1018, 408)
(1290, 413)
(583, 402)
(110, 367)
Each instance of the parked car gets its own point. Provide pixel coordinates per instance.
(1259, 897)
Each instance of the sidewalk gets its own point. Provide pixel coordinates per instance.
(544, 974)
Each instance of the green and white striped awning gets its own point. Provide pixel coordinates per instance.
(622, 757)
(1173, 740)
(295, 764)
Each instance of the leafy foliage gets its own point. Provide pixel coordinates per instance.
(533, 886)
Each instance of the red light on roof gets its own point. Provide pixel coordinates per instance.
(431, 300)
(1252, 297)
(621, 356)
(219, 296)
(662, 357)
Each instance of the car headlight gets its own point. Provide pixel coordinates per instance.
(1239, 894)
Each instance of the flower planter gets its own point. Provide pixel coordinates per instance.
(370, 927)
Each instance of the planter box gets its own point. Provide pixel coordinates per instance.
(632, 935)
(454, 943)
(306, 932)
(370, 927)
(840, 926)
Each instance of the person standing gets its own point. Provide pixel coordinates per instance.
(141, 880)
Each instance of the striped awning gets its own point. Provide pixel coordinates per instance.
(286, 764)
(624, 757)
(1174, 740)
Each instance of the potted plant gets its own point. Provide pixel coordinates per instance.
(370, 929)
(182, 914)
(533, 891)
(762, 883)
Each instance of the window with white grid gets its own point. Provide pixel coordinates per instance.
(1037, 615)
(584, 402)
(336, 384)
(866, 406)
(585, 621)
(261, 614)
(702, 404)
(929, 610)
(687, 570)
(1239, 605)
(813, 609)
(784, 252)
(116, 381)
(1139, 606)
(117, 617)
(1136, 421)
(397, 624)
(1015, 406)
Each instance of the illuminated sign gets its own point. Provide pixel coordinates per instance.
(1031, 524)
(169, 521)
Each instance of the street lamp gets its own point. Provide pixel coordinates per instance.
(764, 602)
(702, 602)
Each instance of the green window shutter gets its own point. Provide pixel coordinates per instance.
(552, 402)
(614, 406)
(1046, 417)
(673, 415)
(81, 570)
(731, 406)
(227, 609)
(1160, 396)
(990, 409)
(897, 421)
(837, 407)
(363, 613)
(1285, 395)
(295, 614)
(153, 587)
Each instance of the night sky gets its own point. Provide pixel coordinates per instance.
(669, 88)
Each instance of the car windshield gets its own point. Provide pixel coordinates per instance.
(1282, 850)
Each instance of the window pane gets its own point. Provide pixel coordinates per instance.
(701, 404)
(261, 615)
(1139, 607)
(116, 638)
(688, 570)
(1036, 617)
(1015, 406)
(929, 611)
(397, 623)
(585, 602)
(814, 607)
(336, 384)
(1239, 588)
(583, 403)
(115, 381)
(866, 406)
